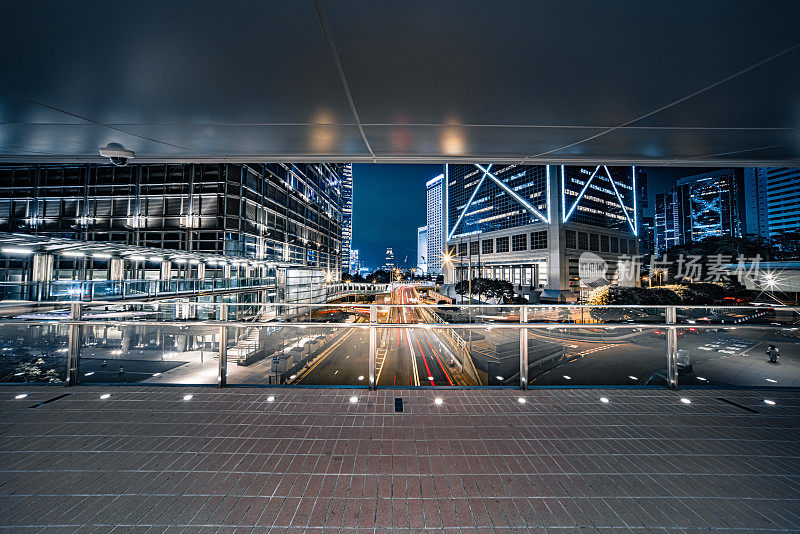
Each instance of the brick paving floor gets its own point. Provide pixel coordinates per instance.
(145, 460)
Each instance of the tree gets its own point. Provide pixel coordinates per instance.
(378, 277)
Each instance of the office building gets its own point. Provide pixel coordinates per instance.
(422, 250)
(532, 225)
(756, 220)
(435, 226)
(646, 235)
(355, 263)
(666, 233)
(783, 200)
(347, 214)
(711, 204)
(389, 262)
(285, 217)
(644, 213)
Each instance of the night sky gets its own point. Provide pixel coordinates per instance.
(389, 205)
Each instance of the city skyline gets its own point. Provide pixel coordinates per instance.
(398, 226)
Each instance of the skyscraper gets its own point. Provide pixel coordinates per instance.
(283, 218)
(711, 204)
(355, 263)
(422, 249)
(347, 215)
(643, 212)
(783, 200)
(435, 217)
(533, 225)
(755, 197)
(667, 222)
(389, 264)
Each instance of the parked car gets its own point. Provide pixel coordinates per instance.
(663, 333)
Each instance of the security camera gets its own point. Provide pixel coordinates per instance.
(118, 154)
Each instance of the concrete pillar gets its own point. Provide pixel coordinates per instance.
(42, 274)
(116, 269)
(42, 268)
(557, 268)
(166, 270)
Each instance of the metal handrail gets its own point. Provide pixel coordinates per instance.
(75, 322)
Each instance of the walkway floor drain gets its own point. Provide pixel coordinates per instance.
(398, 404)
(737, 405)
(50, 400)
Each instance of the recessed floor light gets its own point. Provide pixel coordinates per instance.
(188, 397)
(633, 377)
(353, 399)
(430, 378)
(270, 398)
(772, 380)
(603, 399)
(568, 377)
(292, 377)
(361, 377)
(438, 400)
(156, 374)
(21, 396)
(702, 379)
(105, 396)
(521, 400)
(90, 373)
(770, 402)
(499, 377)
(686, 401)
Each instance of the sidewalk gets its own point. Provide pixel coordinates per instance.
(145, 460)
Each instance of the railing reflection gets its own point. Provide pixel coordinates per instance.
(402, 345)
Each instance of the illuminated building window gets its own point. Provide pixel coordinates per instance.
(594, 242)
(519, 242)
(569, 239)
(583, 241)
(502, 244)
(604, 243)
(539, 240)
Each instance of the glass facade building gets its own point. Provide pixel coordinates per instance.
(530, 224)
(783, 200)
(422, 249)
(347, 216)
(711, 205)
(601, 196)
(289, 213)
(667, 222)
(478, 204)
(435, 219)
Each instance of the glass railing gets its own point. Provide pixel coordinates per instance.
(377, 343)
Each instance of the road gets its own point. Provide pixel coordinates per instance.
(405, 356)
(419, 356)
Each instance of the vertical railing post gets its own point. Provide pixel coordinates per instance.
(672, 348)
(523, 348)
(74, 348)
(222, 372)
(373, 349)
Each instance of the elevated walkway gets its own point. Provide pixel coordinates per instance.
(175, 459)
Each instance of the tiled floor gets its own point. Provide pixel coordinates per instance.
(145, 460)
